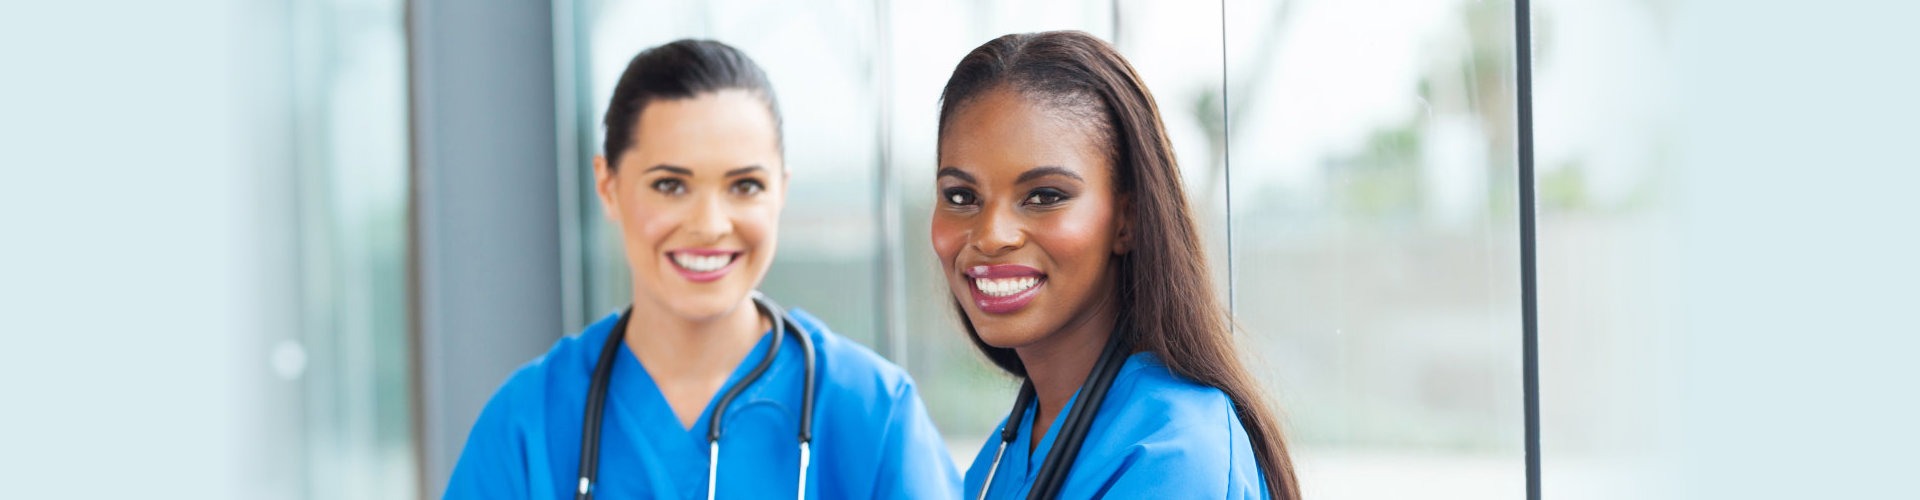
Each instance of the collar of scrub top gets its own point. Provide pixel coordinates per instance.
(603, 375)
(1073, 432)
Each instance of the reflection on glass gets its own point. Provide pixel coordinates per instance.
(349, 154)
(1375, 239)
(1603, 146)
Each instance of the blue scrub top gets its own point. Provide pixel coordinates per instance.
(1157, 436)
(872, 437)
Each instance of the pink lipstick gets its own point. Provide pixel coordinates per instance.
(702, 265)
(1004, 288)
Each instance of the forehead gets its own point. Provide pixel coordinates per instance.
(1003, 130)
(725, 129)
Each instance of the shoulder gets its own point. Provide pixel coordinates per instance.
(1146, 385)
(571, 357)
(1173, 425)
(849, 368)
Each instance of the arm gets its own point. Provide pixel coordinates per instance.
(1188, 462)
(492, 466)
(913, 461)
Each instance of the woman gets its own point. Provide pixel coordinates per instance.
(1068, 245)
(693, 175)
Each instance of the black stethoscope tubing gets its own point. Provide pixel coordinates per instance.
(1073, 432)
(603, 376)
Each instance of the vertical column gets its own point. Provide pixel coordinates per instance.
(485, 210)
(1529, 280)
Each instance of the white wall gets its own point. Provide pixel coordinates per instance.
(139, 234)
(1799, 249)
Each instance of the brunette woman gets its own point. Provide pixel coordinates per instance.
(1070, 250)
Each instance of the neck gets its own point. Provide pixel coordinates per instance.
(1058, 364)
(675, 347)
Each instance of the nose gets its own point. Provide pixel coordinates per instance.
(708, 221)
(1000, 231)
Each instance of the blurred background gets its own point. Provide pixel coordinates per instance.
(287, 248)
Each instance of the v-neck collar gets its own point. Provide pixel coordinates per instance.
(1033, 459)
(641, 399)
(1019, 458)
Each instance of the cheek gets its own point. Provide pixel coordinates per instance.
(647, 223)
(757, 227)
(947, 237)
(1080, 239)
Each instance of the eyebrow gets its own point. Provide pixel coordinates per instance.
(689, 173)
(957, 174)
(1044, 171)
(671, 169)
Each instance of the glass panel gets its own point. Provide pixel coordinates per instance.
(1726, 249)
(1375, 239)
(1177, 49)
(350, 158)
(1604, 154)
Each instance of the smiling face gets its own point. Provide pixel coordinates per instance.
(697, 198)
(1028, 220)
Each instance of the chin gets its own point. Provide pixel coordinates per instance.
(705, 306)
(1006, 333)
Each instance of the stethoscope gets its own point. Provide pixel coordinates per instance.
(603, 374)
(1073, 432)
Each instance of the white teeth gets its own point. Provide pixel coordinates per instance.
(702, 264)
(1005, 286)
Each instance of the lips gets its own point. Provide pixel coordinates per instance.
(702, 265)
(1004, 288)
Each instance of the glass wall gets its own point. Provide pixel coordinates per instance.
(1605, 155)
(1376, 239)
(1367, 163)
(1726, 249)
(206, 205)
(349, 155)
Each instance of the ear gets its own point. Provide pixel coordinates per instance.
(604, 186)
(1123, 225)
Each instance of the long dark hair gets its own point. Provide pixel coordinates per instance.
(681, 69)
(1163, 283)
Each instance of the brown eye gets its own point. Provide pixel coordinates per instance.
(670, 186)
(748, 187)
(1045, 197)
(958, 196)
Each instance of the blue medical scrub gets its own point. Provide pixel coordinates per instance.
(871, 439)
(1158, 436)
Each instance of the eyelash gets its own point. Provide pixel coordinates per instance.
(670, 186)
(748, 187)
(1054, 195)
(676, 187)
(951, 193)
(1035, 198)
